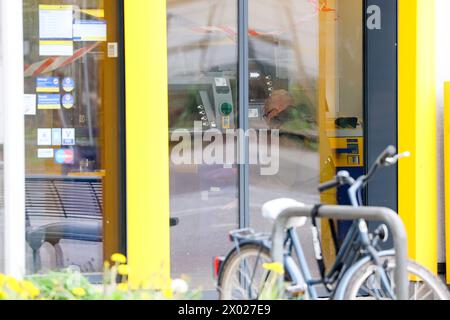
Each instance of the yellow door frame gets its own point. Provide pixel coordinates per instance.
(417, 193)
(147, 141)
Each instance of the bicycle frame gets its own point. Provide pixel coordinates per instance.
(347, 256)
(355, 246)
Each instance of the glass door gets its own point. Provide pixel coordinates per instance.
(303, 118)
(73, 132)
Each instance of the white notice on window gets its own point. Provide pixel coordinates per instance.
(56, 137)
(30, 104)
(44, 137)
(56, 48)
(55, 30)
(46, 153)
(55, 22)
(89, 30)
(113, 50)
(68, 137)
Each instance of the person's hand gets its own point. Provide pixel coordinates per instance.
(277, 103)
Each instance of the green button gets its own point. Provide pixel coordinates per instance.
(226, 109)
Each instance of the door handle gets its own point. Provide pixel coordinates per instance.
(174, 222)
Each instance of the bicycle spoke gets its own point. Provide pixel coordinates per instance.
(370, 292)
(417, 293)
(248, 278)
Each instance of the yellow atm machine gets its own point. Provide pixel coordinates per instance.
(347, 153)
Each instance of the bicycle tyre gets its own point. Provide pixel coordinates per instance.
(227, 284)
(436, 290)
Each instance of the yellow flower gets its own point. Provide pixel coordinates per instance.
(79, 292)
(3, 295)
(31, 289)
(168, 293)
(122, 287)
(13, 284)
(106, 265)
(123, 270)
(119, 258)
(275, 267)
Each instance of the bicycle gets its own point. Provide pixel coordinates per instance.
(361, 269)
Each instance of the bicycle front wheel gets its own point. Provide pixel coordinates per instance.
(366, 282)
(243, 275)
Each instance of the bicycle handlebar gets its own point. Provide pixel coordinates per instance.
(387, 158)
(389, 152)
(329, 185)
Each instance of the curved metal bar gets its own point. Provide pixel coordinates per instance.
(389, 217)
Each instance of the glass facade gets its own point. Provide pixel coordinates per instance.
(73, 136)
(305, 87)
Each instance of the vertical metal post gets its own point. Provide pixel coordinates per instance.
(243, 57)
(11, 52)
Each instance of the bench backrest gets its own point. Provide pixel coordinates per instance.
(64, 198)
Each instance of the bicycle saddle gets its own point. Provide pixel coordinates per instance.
(272, 209)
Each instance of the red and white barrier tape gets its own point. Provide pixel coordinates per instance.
(54, 63)
(319, 6)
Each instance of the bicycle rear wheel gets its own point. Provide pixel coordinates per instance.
(243, 276)
(365, 283)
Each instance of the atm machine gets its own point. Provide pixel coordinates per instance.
(347, 147)
(209, 100)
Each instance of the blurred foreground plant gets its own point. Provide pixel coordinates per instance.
(72, 285)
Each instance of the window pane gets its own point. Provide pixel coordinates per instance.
(202, 40)
(72, 137)
(309, 61)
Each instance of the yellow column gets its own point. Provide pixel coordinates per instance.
(147, 140)
(417, 129)
(327, 89)
(447, 173)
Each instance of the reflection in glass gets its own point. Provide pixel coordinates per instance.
(305, 80)
(203, 88)
(307, 56)
(71, 135)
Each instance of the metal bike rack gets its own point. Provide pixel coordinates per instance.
(387, 216)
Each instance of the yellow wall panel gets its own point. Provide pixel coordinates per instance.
(417, 129)
(147, 140)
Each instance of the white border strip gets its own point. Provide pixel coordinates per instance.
(11, 47)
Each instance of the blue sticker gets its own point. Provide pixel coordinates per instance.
(68, 101)
(68, 84)
(47, 85)
(49, 101)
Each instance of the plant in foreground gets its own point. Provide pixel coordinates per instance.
(72, 285)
